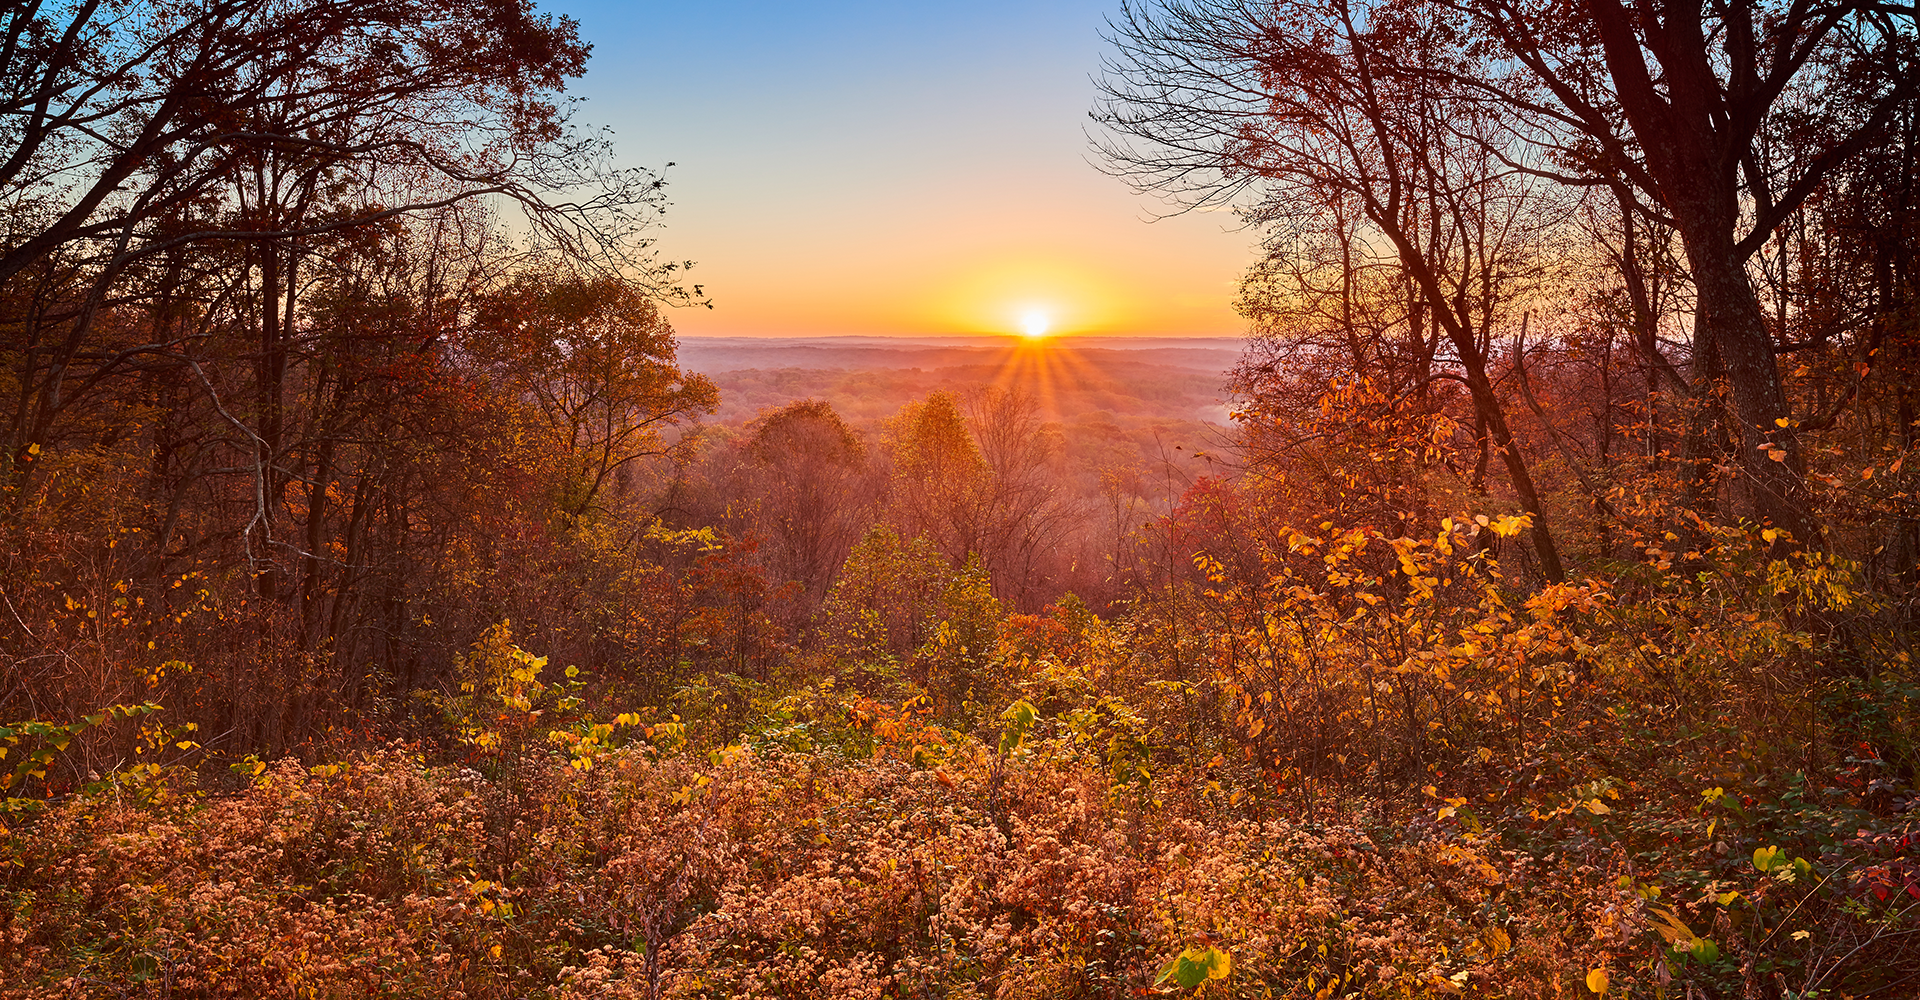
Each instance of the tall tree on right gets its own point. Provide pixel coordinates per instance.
(1341, 129)
(1682, 101)
(1713, 121)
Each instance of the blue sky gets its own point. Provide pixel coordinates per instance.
(895, 168)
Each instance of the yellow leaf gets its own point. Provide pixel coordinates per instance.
(1672, 929)
(1597, 981)
(1598, 808)
(1781, 421)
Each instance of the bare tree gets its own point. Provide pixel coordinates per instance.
(1027, 511)
(1334, 122)
(1675, 101)
(813, 491)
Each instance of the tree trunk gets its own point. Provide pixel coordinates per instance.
(1770, 453)
(1487, 408)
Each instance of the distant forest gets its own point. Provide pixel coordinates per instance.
(393, 605)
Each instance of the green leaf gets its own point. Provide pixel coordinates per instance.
(1194, 966)
(1019, 718)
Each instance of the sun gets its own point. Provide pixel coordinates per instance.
(1036, 324)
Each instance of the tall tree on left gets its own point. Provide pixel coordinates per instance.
(132, 131)
(237, 240)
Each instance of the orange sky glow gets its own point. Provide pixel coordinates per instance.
(906, 289)
(851, 168)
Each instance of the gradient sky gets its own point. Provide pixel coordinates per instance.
(912, 167)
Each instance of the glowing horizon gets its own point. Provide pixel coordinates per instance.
(910, 170)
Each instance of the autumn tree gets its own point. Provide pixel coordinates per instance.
(1328, 126)
(1027, 514)
(260, 126)
(813, 490)
(595, 362)
(976, 476)
(243, 240)
(884, 602)
(942, 484)
(1681, 102)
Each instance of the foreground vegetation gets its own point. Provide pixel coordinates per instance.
(1593, 789)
